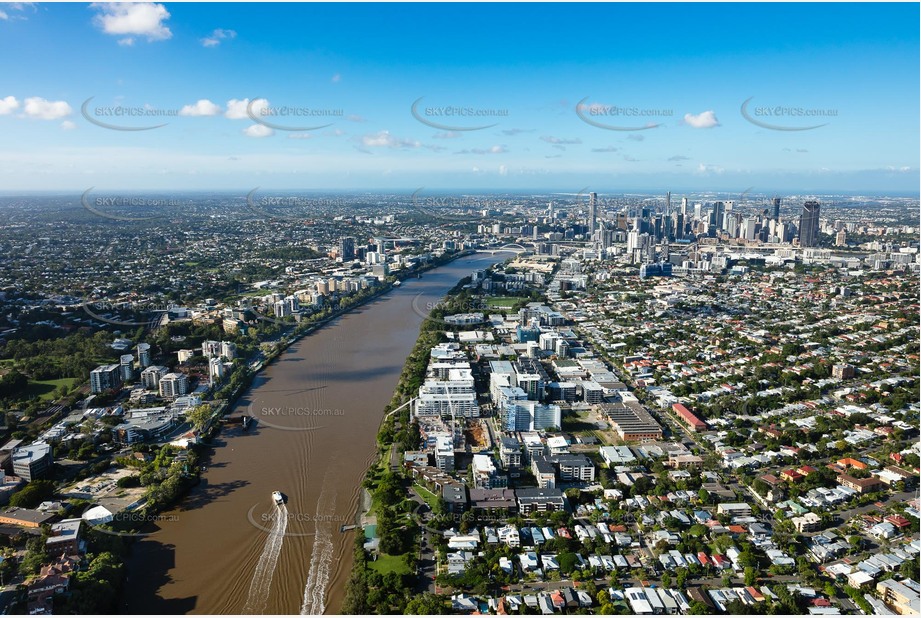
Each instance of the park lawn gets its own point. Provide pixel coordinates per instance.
(503, 301)
(44, 389)
(386, 563)
(430, 498)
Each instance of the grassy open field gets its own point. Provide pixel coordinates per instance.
(386, 563)
(44, 389)
(500, 302)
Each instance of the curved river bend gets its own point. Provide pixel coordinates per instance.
(227, 549)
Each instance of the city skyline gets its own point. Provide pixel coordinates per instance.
(699, 110)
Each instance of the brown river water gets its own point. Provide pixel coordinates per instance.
(227, 549)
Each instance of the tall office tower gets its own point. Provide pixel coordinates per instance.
(698, 210)
(534, 233)
(347, 248)
(657, 226)
(718, 214)
(733, 224)
(633, 240)
(809, 225)
(775, 202)
(748, 228)
(668, 202)
(592, 211)
(684, 206)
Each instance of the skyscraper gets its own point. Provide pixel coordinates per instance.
(775, 202)
(719, 211)
(592, 211)
(347, 248)
(809, 225)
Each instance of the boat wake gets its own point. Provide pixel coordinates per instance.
(321, 558)
(265, 569)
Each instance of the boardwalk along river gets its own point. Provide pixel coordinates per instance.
(228, 549)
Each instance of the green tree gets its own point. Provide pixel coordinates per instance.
(33, 494)
(199, 415)
(426, 604)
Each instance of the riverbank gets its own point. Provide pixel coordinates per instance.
(390, 571)
(318, 460)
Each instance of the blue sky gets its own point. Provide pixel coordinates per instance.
(687, 69)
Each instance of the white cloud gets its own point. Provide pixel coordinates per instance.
(217, 36)
(703, 120)
(8, 104)
(560, 140)
(19, 7)
(68, 125)
(37, 107)
(484, 151)
(704, 168)
(300, 135)
(447, 135)
(258, 130)
(503, 170)
(336, 78)
(385, 139)
(202, 107)
(236, 108)
(141, 19)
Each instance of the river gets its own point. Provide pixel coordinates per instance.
(227, 549)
